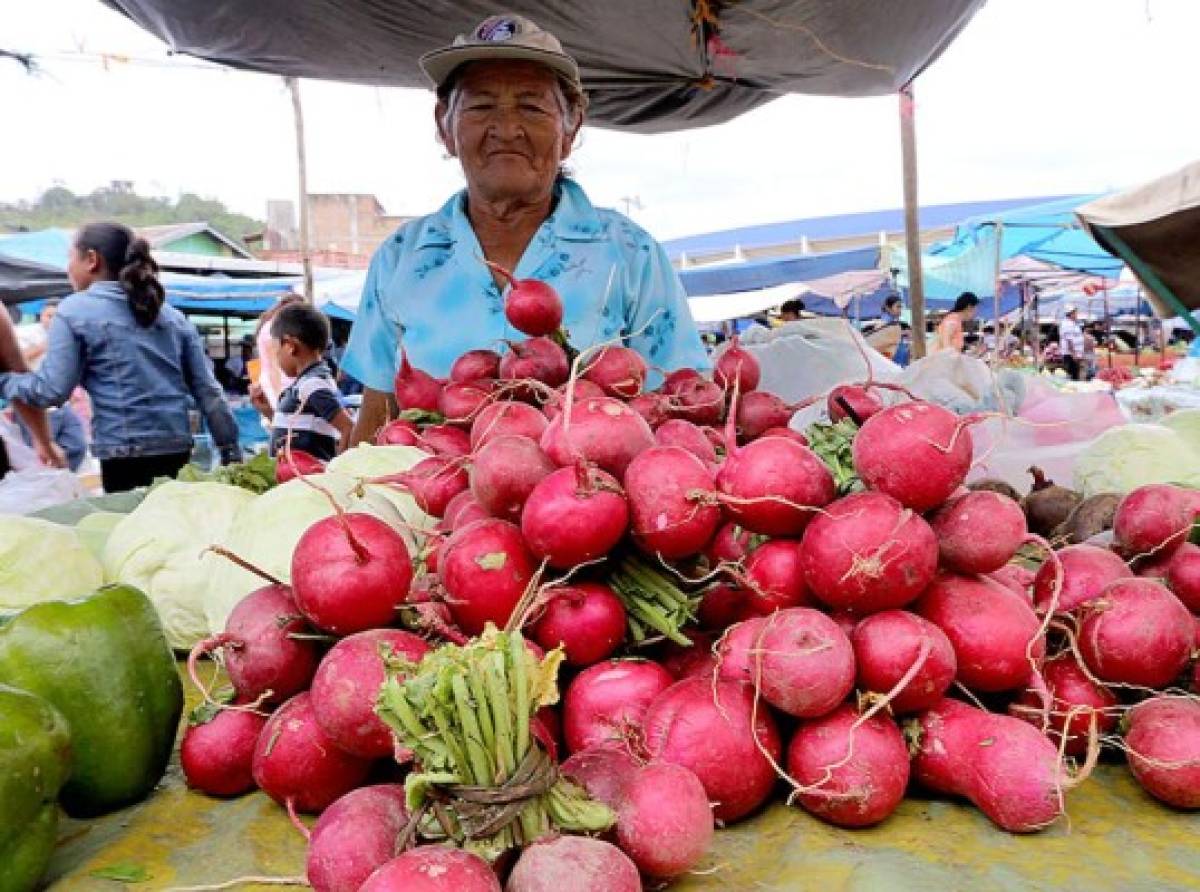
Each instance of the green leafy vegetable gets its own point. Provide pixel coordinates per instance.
(654, 602)
(256, 475)
(833, 444)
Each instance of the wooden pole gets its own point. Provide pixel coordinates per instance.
(996, 286)
(305, 254)
(912, 225)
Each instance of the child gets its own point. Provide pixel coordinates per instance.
(309, 411)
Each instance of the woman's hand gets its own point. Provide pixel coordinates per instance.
(50, 455)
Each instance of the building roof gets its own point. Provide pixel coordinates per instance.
(159, 236)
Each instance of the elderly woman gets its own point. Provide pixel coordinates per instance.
(509, 106)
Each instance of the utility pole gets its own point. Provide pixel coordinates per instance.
(912, 224)
(293, 86)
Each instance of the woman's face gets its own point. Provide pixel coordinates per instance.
(83, 267)
(506, 127)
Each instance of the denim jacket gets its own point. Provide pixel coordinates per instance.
(141, 380)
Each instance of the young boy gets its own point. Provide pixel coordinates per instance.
(309, 411)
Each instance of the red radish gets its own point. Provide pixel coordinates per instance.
(506, 470)
(866, 552)
(1136, 632)
(538, 359)
(347, 684)
(602, 771)
(673, 382)
(216, 753)
(459, 403)
(586, 618)
(445, 440)
(774, 578)
(400, 432)
(293, 463)
(432, 482)
(918, 453)
(672, 502)
(731, 544)
(463, 509)
(695, 659)
(296, 764)
(888, 644)
(1077, 701)
(664, 822)
(979, 532)
(861, 402)
(685, 435)
(573, 864)
(722, 606)
(350, 573)
(583, 390)
(698, 400)
(846, 621)
(1163, 744)
(354, 836)
(787, 433)
(603, 431)
(532, 306)
(574, 515)
(475, 365)
(773, 486)
(1018, 578)
(737, 367)
(485, 568)
(1155, 519)
(1183, 575)
(433, 869)
(712, 727)
(607, 700)
(414, 388)
(1087, 570)
(759, 411)
(503, 419)
(855, 771)
(651, 406)
(995, 633)
(619, 371)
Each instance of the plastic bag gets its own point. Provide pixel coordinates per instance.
(963, 383)
(20, 456)
(24, 492)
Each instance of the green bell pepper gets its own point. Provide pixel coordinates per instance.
(35, 758)
(104, 663)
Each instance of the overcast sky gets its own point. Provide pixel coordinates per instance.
(1036, 97)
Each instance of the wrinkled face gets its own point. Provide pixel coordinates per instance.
(505, 123)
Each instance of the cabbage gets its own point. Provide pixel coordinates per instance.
(1186, 423)
(157, 548)
(367, 461)
(43, 561)
(95, 528)
(1132, 455)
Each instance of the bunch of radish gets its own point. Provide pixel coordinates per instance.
(731, 611)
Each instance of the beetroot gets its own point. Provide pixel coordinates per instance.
(1155, 519)
(603, 431)
(607, 700)
(602, 771)
(574, 515)
(1163, 744)
(296, 764)
(1136, 632)
(737, 368)
(685, 435)
(979, 531)
(485, 567)
(586, 618)
(475, 365)
(433, 869)
(445, 440)
(867, 552)
(773, 485)
(532, 307)
(698, 400)
(774, 578)
(216, 753)
(354, 836)
(1087, 570)
(293, 463)
(886, 647)
(502, 419)
(758, 412)
(1075, 701)
(651, 406)
(861, 402)
(400, 432)
(706, 725)
(664, 822)
(573, 864)
(459, 403)
(858, 770)
(506, 470)
(619, 371)
(672, 502)
(415, 389)
(918, 453)
(350, 572)
(538, 359)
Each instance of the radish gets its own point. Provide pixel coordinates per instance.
(698, 400)
(1020, 579)
(603, 431)
(674, 381)
(350, 572)
(759, 411)
(459, 403)
(217, 751)
(619, 371)
(979, 532)
(575, 515)
(1183, 575)
(866, 552)
(354, 836)
(485, 568)
(664, 822)
(737, 368)
(400, 432)
(297, 765)
(506, 470)
(685, 435)
(1163, 746)
(586, 619)
(433, 869)
(293, 463)
(853, 769)
(672, 502)
(461, 510)
(1087, 570)
(608, 700)
(774, 578)
(722, 606)
(475, 365)
(583, 390)
(414, 388)
(532, 307)
(853, 401)
(695, 659)
(347, 684)
(1077, 702)
(602, 771)
(537, 359)
(889, 644)
(773, 486)
(503, 419)
(653, 407)
(787, 433)
(731, 544)
(996, 635)
(432, 482)
(573, 864)
(1136, 632)
(1155, 519)
(445, 440)
(714, 727)
(918, 453)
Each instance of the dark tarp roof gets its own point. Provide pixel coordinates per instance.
(648, 65)
(22, 280)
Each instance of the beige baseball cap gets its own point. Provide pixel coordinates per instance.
(498, 37)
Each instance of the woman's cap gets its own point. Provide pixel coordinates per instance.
(497, 38)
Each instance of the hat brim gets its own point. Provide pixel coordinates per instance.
(440, 64)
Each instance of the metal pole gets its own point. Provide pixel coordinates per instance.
(996, 290)
(305, 255)
(912, 226)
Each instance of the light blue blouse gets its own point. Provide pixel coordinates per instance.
(428, 288)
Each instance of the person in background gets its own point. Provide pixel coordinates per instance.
(1093, 334)
(951, 331)
(1071, 344)
(140, 361)
(67, 432)
(33, 418)
(271, 379)
(888, 336)
(309, 414)
(791, 310)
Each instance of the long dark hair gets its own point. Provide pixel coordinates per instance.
(127, 260)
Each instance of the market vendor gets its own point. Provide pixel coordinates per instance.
(509, 106)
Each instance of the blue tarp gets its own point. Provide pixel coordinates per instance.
(769, 273)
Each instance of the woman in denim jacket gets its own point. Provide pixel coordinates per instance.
(141, 362)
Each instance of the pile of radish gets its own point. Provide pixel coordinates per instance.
(735, 620)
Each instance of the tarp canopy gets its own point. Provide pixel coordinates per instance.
(648, 65)
(22, 280)
(759, 274)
